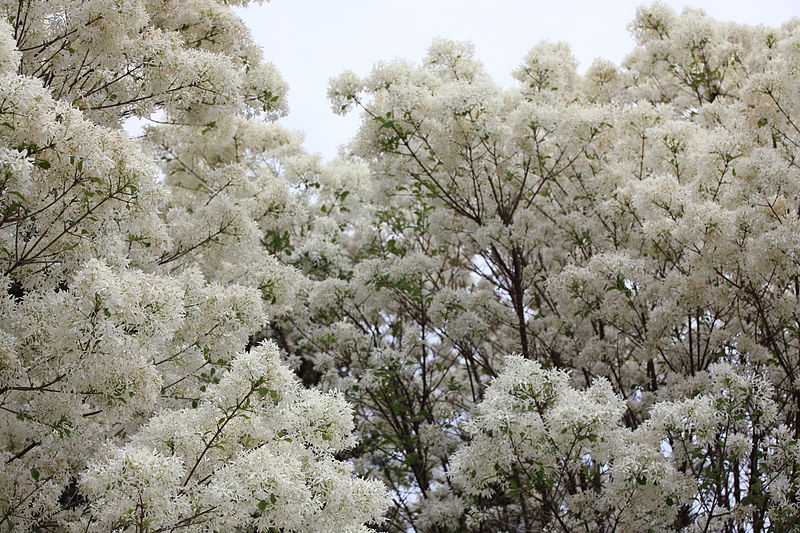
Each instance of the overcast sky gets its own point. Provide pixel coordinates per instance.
(312, 40)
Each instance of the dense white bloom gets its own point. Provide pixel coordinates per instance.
(630, 232)
(548, 67)
(135, 393)
(534, 433)
(135, 488)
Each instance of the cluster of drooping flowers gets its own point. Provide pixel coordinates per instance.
(136, 392)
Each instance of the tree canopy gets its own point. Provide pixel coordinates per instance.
(134, 392)
(572, 305)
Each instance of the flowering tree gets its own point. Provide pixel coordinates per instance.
(631, 233)
(135, 391)
(567, 306)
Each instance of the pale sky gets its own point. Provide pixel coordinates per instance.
(311, 41)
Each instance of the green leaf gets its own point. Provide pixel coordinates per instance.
(262, 505)
(208, 127)
(35, 474)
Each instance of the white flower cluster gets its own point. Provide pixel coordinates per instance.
(244, 456)
(533, 418)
